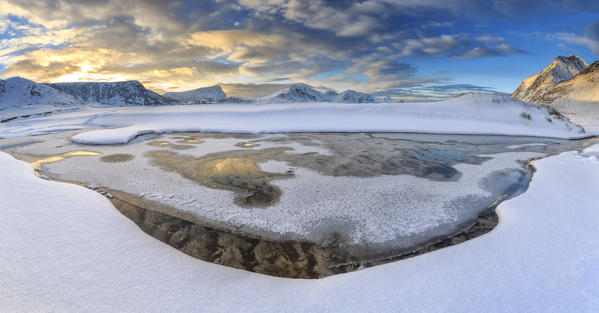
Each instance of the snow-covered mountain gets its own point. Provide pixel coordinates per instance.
(113, 93)
(296, 93)
(350, 96)
(568, 85)
(17, 91)
(563, 68)
(583, 87)
(212, 94)
(305, 93)
(577, 98)
(20, 96)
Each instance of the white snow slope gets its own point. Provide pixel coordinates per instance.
(19, 96)
(65, 248)
(470, 114)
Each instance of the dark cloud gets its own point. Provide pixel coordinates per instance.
(590, 38)
(593, 31)
(33, 69)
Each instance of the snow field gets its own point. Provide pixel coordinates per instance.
(65, 248)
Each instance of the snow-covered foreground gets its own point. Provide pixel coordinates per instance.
(65, 248)
(470, 114)
(581, 113)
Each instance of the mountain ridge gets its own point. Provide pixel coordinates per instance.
(20, 97)
(305, 93)
(582, 87)
(202, 95)
(121, 93)
(560, 70)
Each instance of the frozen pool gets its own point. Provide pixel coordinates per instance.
(369, 194)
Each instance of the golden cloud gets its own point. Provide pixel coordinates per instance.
(229, 40)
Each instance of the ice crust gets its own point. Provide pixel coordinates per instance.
(396, 211)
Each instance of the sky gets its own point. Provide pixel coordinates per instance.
(406, 49)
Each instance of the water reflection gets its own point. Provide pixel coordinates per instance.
(57, 158)
(240, 174)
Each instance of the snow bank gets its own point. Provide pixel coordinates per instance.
(65, 248)
(470, 114)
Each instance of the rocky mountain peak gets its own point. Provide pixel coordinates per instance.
(593, 68)
(561, 69)
(212, 94)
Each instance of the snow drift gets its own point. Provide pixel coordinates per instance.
(469, 114)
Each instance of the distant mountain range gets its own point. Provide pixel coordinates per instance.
(305, 93)
(20, 97)
(18, 91)
(112, 93)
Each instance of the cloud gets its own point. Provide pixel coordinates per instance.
(251, 90)
(593, 31)
(459, 45)
(368, 45)
(432, 91)
(228, 41)
(590, 38)
(49, 70)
